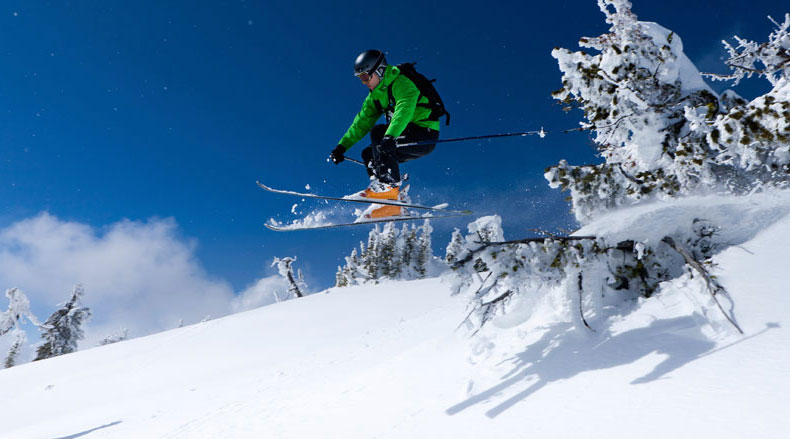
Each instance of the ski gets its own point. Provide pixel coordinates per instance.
(438, 208)
(290, 228)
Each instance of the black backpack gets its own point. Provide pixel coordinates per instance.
(426, 88)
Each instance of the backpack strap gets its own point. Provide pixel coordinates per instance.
(390, 103)
(437, 108)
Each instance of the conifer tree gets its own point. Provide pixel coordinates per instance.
(352, 267)
(387, 261)
(455, 247)
(13, 353)
(754, 137)
(347, 275)
(398, 268)
(63, 329)
(660, 129)
(370, 258)
(408, 251)
(390, 253)
(424, 252)
(340, 277)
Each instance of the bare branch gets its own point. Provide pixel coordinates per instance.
(581, 310)
(713, 286)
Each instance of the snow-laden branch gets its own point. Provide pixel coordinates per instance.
(773, 55)
(18, 308)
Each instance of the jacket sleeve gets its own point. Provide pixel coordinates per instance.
(362, 124)
(406, 95)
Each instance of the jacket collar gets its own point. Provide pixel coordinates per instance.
(390, 74)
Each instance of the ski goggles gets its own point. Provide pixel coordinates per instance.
(364, 76)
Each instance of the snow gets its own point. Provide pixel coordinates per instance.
(740, 218)
(313, 219)
(390, 361)
(683, 69)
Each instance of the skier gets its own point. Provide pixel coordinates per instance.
(411, 117)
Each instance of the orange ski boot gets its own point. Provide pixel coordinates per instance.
(382, 191)
(384, 212)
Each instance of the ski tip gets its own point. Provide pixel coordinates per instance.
(443, 208)
(275, 228)
(446, 214)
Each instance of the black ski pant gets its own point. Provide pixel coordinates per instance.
(384, 165)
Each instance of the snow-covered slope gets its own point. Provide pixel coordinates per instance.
(386, 361)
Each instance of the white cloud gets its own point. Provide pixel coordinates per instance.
(139, 275)
(263, 292)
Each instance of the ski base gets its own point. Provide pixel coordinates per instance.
(291, 228)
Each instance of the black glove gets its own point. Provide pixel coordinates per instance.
(337, 154)
(388, 145)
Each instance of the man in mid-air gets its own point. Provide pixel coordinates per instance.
(410, 118)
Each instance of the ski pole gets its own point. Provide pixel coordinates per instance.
(356, 161)
(329, 159)
(540, 133)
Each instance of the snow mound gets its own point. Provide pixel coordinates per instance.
(739, 218)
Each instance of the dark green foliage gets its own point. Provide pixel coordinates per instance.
(63, 329)
(15, 350)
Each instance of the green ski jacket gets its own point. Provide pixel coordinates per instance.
(403, 110)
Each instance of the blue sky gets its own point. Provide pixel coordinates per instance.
(113, 110)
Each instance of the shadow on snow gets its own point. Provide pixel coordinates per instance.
(87, 432)
(563, 352)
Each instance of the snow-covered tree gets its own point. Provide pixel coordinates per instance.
(347, 275)
(118, 336)
(387, 258)
(296, 283)
(369, 254)
(770, 60)
(497, 270)
(662, 133)
(10, 321)
(636, 93)
(18, 308)
(424, 252)
(390, 253)
(340, 277)
(408, 250)
(754, 137)
(454, 247)
(63, 329)
(13, 353)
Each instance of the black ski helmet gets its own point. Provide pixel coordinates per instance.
(370, 61)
